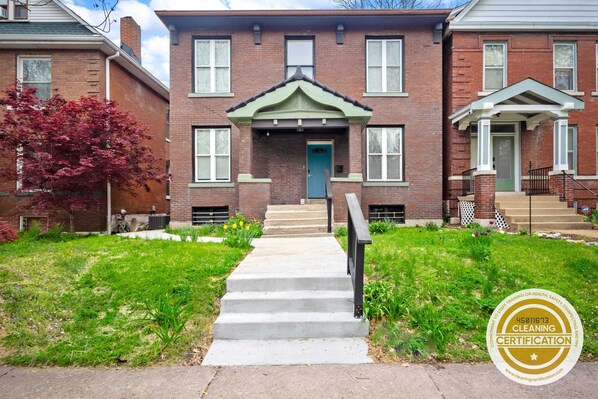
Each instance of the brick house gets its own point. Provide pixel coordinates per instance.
(263, 102)
(74, 59)
(520, 89)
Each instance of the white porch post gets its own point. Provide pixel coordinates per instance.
(560, 144)
(484, 153)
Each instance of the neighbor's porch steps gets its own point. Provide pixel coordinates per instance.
(548, 213)
(293, 220)
(289, 302)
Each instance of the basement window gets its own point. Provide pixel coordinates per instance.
(209, 215)
(396, 213)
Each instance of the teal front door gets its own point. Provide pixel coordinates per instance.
(504, 162)
(319, 158)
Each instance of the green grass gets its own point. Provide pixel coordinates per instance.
(430, 295)
(84, 301)
(206, 230)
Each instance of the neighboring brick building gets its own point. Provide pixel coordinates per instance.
(517, 80)
(72, 60)
(264, 101)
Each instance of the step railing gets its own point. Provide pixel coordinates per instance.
(328, 199)
(358, 236)
(468, 181)
(539, 180)
(581, 184)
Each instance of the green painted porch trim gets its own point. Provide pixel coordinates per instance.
(386, 184)
(208, 95)
(352, 178)
(250, 110)
(247, 178)
(211, 185)
(530, 85)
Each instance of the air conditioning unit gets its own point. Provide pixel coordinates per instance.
(3, 13)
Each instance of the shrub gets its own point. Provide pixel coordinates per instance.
(381, 227)
(54, 233)
(7, 232)
(340, 232)
(33, 232)
(593, 217)
(431, 226)
(239, 232)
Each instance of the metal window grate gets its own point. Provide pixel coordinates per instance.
(207, 215)
(396, 213)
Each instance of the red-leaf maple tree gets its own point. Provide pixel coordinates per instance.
(66, 151)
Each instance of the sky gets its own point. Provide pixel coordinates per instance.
(154, 35)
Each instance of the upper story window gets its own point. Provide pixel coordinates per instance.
(565, 66)
(14, 9)
(385, 153)
(36, 72)
(495, 66)
(212, 155)
(212, 66)
(300, 53)
(596, 66)
(384, 65)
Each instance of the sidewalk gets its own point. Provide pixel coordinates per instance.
(325, 381)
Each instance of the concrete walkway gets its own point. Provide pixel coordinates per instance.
(448, 381)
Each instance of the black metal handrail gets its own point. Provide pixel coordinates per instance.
(468, 181)
(581, 184)
(358, 235)
(328, 199)
(539, 180)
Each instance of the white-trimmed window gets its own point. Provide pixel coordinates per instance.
(572, 148)
(212, 66)
(384, 65)
(212, 154)
(300, 53)
(17, 10)
(565, 66)
(21, 8)
(34, 71)
(495, 66)
(385, 153)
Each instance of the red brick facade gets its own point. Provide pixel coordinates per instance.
(77, 73)
(282, 156)
(529, 54)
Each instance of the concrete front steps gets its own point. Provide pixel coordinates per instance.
(287, 220)
(548, 213)
(289, 302)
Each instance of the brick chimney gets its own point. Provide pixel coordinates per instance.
(130, 37)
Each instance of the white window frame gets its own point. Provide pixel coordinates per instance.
(11, 10)
(313, 56)
(212, 155)
(384, 65)
(573, 149)
(22, 58)
(213, 65)
(554, 67)
(385, 154)
(504, 66)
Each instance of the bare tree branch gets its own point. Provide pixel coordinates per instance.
(106, 6)
(395, 4)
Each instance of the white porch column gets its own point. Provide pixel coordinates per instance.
(484, 153)
(560, 144)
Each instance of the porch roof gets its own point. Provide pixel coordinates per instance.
(299, 97)
(528, 101)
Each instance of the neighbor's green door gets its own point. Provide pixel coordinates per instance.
(504, 162)
(319, 158)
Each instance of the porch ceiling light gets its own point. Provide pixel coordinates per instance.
(257, 34)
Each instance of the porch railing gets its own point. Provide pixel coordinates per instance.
(358, 236)
(539, 181)
(328, 199)
(468, 181)
(582, 186)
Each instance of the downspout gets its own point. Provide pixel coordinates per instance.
(108, 187)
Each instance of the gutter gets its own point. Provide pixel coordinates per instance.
(108, 186)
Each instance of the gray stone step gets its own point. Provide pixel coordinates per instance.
(553, 226)
(287, 301)
(295, 214)
(539, 211)
(535, 205)
(274, 222)
(288, 283)
(266, 326)
(289, 229)
(306, 207)
(281, 352)
(546, 218)
(524, 198)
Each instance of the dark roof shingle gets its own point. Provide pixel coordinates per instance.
(44, 28)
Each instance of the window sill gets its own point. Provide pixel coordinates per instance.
(595, 94)
(485, 93)
(386, 184)
(574, 93)
(385, 94)
(211, 184)
(210, 95)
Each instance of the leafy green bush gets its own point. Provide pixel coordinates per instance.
(54, 233)
(239, 232)
(593, 217)
(340, 232)
(33, 232)
(381, 227)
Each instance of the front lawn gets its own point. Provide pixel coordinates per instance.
(430, 292)
(84, 301)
